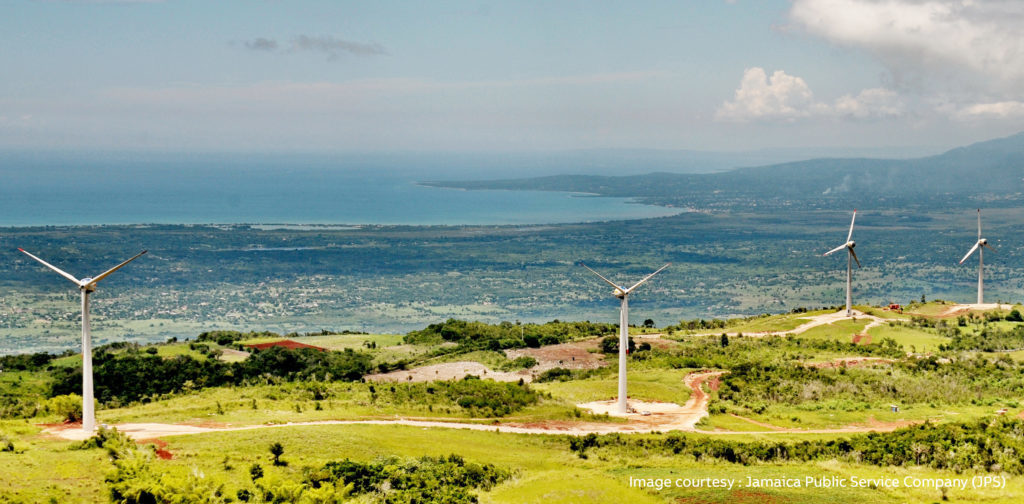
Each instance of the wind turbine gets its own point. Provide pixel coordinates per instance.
(86, 285)
(851, 256)
(981, 243)
(623, 294)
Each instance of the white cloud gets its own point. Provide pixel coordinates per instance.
(972, 44)
(869, 103)
(997, 110)
(760, 97)
(784, 97)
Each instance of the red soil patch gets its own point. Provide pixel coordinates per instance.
(714, 383)
(159, 448)
(289, 344)
(574, 355)
(61, 426)
(863, 339)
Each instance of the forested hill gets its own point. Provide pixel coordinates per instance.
(990, 170)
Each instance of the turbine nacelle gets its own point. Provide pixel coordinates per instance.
(851, 244)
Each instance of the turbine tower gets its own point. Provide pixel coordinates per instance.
(851, 256)
(979, 246)
(86, 285)
(623, 294)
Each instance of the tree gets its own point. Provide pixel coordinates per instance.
(649, 323)
(725, 340)
(610, 345)
(277, 450)
(255, 472)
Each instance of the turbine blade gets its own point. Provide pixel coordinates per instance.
(854, 254)
(54, 268)
(990, 247)
(646, 278)
(979, 223)
(850, 235)
(115, 268)
(975, 247)
(837, 249)
(601, 276)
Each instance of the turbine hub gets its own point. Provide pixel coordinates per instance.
(619, 293)
(851, 244)
(87, 285)
(983, 241)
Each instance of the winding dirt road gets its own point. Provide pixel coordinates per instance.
(812, 322)
(651, 417)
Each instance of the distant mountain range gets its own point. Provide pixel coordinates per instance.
(994, 167)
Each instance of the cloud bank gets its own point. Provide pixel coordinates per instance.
(784, 97)
(967, 54)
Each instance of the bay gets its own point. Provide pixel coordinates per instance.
(132, 189)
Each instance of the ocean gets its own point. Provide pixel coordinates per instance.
(65, 189)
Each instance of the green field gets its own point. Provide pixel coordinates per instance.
(544, 469)
(912, 338)
(785, 405)
(843, 330)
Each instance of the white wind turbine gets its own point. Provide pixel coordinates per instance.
(623, 294)
(86, 285)
(979, 246)
(851, 256)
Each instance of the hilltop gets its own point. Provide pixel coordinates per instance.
(986, 170)
(228, 417)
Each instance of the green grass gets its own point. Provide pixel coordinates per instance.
(842, 330)
(664, 385)
(175, 349)
(338, 341)
(881, 313)
(778, 323)
(294, 402)
(912, 338)
(930, 309)
(544, 470)
(837, 414)
(729, 423)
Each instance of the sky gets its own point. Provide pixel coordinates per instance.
(517, 76)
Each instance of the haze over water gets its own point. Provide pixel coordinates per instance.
(275, 189)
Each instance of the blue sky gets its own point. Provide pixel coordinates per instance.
(508, 76)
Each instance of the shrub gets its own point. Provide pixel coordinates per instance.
(68, 407)
(610, 345)
(555, 374)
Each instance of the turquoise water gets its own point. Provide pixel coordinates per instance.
(226, 189)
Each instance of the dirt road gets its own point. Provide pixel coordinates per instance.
(662, 417)
(812, 322)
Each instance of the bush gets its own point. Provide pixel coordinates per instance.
(521, 362)
(427, 480)
(610, 345)
(68, 407)
(135, 376)
(555, 374)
